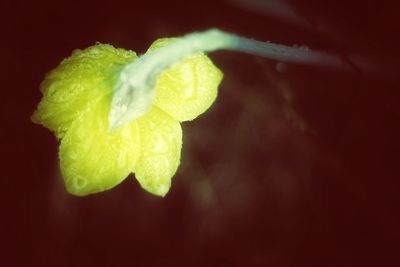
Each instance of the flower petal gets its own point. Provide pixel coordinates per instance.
(161, 139)
(92, 159)
(83, 77)
(187, 89)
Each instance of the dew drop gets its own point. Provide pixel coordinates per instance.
(304, 48)
(189, 92)
(160, 146)
(80, 182)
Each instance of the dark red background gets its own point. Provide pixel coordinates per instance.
(293, 168)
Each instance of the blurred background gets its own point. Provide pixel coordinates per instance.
(292, 166)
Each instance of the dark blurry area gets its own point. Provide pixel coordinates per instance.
(292, 166)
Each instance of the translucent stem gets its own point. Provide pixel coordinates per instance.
(300, 54)
(135, 88)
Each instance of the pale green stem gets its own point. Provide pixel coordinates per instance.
(135, 87)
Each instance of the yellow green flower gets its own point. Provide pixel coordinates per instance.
(75, 106)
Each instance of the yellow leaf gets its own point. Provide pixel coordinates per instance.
(161, 139)
(92, 159)
(85, 76)
(188, 88)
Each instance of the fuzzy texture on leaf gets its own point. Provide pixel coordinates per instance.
(189, 88)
